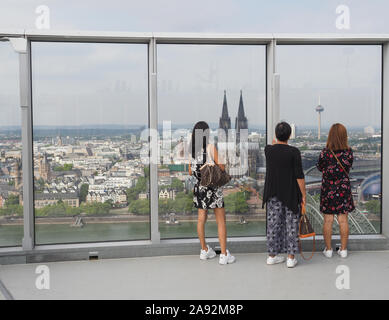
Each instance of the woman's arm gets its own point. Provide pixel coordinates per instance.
(299, 174)
(301, 183)
(321, 161)
(215, 156)
(350, 159)
(190, 170)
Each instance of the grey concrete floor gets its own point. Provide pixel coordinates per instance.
(186, 277)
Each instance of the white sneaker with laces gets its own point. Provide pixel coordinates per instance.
(343, 253)
(275, 260)
(226, 258)
(291, 263)
(328, 253)
(207, 254)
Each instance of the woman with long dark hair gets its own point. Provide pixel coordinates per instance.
(205, 198)
(335, 162)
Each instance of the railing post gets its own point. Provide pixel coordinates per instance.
(273, 90)
(27, 147)
(385, 140)
(153, 121)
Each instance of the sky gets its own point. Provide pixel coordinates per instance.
(77, 84)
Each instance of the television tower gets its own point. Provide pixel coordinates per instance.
(319, 109)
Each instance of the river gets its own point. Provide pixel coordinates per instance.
(11, 235)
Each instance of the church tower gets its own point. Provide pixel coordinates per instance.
(225, 120)
(241, 120)
(16, 173)
(44, 167)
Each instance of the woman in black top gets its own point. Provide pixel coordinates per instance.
(284, 193)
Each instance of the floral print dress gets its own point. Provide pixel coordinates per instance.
(336, 196)
(205, 197)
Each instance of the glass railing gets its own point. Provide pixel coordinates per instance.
(91, 115)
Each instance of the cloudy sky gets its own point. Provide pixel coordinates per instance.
(81, 84)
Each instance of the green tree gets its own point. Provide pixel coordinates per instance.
(183, 203)
(110, 202)
(141, 186)
(140, 206)
(12, 200)
(96, 208)
(373, 206)
(65, 167)
(236, 203)
(39, 184)
(177, 185)
(14, 209)
(146, 170)
(84, 192)
(59, 209)
(166, 206)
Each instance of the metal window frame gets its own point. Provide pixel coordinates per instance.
(271, 41)
(25, 79)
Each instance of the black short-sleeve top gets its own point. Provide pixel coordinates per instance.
(283, 168)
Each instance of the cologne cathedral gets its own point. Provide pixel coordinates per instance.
(241, 125)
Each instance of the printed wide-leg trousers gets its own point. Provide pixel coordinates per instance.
(282, 228)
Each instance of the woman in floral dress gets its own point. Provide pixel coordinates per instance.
(336, 198)
(205, 198)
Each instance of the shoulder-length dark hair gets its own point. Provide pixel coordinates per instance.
(337, 137)
(200, 130)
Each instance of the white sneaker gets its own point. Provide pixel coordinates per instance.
(226, 258)
(342, 253)
(275, 260)
(328, 253)
(291, 263)
(207, 254)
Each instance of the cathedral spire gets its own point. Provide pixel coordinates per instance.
(241, 120)
(225, 108)
(225, 120)
(241, 115)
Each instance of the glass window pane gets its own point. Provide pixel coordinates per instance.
(90, 105)
(11, 208)
(345, 80)
(223, 85)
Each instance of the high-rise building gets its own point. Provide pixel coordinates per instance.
(59, 141)
(293, 133)
(319, 109)
(369, 131)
